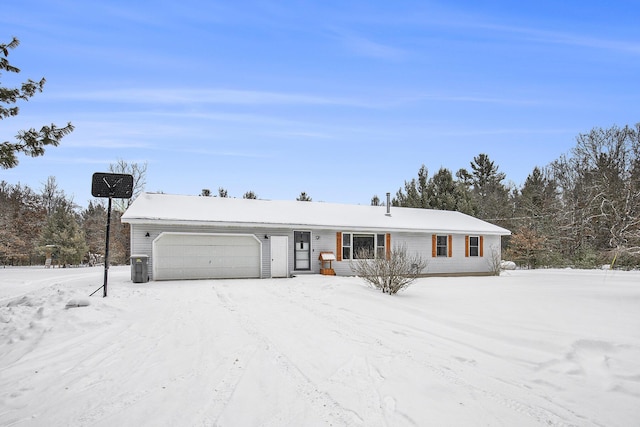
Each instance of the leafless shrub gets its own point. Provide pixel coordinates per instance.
(495, 261)
(392, 274)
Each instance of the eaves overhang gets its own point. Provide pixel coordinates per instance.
(308, 226)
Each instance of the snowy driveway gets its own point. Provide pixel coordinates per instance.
(527, 348)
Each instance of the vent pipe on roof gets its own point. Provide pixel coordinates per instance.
(388, 204)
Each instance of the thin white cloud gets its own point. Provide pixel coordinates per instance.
(75, 160)
(568, 39)
(209, 96)
(592, 42)
(253, 154)
(503, 131)
(302, 134)
(369, 48)
(215, 116)
(191, 97)
(104, 142)
(459, 20)
(478, 99)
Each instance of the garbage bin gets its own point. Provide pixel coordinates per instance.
(139, 268)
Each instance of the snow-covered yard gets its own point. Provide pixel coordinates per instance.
(546, 347)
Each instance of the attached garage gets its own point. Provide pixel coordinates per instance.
(179, 256)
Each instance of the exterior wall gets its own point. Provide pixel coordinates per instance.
(421, 243)
(325, 240)
(320, 241)
(459, 263)
(142, 245)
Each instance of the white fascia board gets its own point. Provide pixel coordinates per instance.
(347, 228)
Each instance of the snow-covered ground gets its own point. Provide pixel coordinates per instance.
(545, 347)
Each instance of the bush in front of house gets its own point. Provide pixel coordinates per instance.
(389, 274)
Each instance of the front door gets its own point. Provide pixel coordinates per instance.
(302, 252)
(279, 249)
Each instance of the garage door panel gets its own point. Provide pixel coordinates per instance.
(205, 256)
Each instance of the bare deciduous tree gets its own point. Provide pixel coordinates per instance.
(139, 173)
(600, 185)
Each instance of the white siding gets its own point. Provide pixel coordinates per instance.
(325, 240)
(458, 263)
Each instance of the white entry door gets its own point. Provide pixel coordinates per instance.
(302, 252)
(279, 256)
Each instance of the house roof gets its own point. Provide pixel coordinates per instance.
(150, 208)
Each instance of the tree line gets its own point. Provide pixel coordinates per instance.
(224, 193)
(582, 209)
(34, 224)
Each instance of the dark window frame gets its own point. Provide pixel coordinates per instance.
(474, 249)
(442, 245)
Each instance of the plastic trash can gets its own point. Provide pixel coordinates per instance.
(139, 268)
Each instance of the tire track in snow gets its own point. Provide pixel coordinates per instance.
(358, 375)
(234, 367)
(184, 371)
(380, 410)
(541, 415)
(328, 408)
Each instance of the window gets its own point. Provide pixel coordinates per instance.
(380, 248)
(370, 245)
(442, 246)
(346, 246)
(474, 246)
(363, 246)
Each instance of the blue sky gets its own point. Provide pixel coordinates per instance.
(340, 99)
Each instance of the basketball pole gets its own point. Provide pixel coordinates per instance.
(110, 185)
(106, 254)
(106, 250)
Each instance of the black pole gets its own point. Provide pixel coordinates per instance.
(106, 250)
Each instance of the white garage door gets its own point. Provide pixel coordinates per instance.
(205, 256)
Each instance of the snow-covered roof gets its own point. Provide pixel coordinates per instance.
(175, 209)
